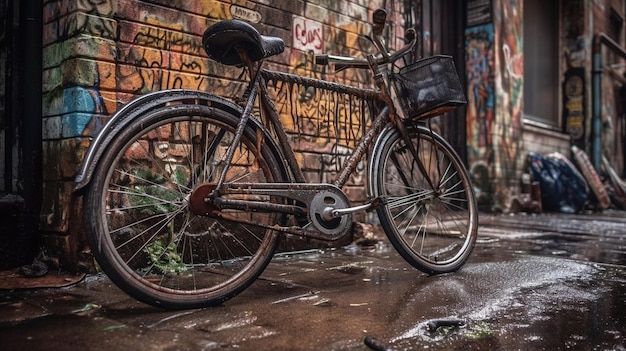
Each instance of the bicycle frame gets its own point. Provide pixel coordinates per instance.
(297, 188)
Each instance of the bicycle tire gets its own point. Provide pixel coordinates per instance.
(434, 230)
(141, 230)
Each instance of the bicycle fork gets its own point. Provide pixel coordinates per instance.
(382, 84)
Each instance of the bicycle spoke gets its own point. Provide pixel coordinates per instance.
(142, 222)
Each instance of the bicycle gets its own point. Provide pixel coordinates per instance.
(187, 193)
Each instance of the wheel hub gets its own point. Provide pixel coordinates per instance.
(197, 200)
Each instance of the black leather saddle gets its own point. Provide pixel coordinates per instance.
(220, 40)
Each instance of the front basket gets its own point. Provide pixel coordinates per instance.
(429, 87)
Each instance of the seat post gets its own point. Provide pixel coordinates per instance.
(252, 67)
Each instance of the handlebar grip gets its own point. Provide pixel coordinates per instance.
(321, 60)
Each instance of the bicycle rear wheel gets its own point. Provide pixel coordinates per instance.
(141, 228)
(433, 228)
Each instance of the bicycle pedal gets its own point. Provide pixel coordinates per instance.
(377, 202)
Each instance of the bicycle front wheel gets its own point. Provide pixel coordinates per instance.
(142, 230)
(430, 215)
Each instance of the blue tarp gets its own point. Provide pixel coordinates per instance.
(563, 188)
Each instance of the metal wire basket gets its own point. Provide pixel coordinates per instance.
(429, 87)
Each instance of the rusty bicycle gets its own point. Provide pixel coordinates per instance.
(187, 193)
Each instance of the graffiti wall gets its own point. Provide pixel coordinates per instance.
(480, 69)
(98, 55)
(494, 66)
(508, 145)
(480, 66)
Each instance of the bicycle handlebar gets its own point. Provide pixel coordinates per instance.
(343, 62)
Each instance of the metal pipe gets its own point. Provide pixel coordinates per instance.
(596, 118)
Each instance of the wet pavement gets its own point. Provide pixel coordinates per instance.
(540, 282)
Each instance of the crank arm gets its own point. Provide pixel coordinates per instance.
(331, 213)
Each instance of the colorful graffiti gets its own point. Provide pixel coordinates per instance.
(99, 55)
(574, 103)
(481, 97)
(324, 125)
(307, 35)
(480, 68)
(494, 67)
(508, 143)
(574, 83)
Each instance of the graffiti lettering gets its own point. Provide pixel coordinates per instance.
(481, 88)
(307, 35)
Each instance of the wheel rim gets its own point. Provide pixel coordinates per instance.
(149, 230)
(434, 226)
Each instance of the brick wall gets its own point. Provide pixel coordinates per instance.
(99, 55)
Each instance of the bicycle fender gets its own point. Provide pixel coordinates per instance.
(381, 140)
(124, 116)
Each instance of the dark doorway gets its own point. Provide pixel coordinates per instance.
(20, 129)
(440, 25)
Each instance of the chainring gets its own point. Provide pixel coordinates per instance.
(322, 205)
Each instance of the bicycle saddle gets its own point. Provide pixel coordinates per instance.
(220, 39)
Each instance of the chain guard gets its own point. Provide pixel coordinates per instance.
(313, 205)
